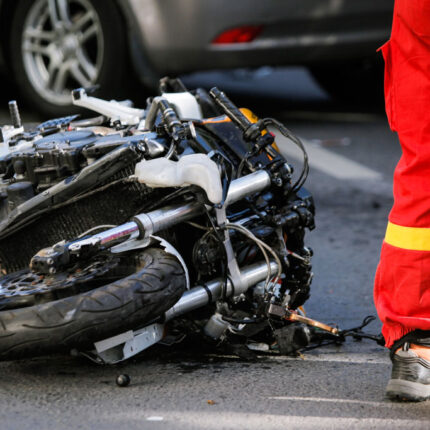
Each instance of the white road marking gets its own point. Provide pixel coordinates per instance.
(225, 418)
(326, 161)
(329, 400)
(154, 418)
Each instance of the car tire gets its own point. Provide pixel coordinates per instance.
(356, 83)
(99, 44)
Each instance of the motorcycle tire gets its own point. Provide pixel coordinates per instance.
(80, 320)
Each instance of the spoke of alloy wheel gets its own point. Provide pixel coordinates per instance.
(43, 17)
(88, 33)
(85, 65)
(79, 76)
(63, 10)
(60, 79)
(35, 48)
(52, 73)
(83, 20)
(59, 13)
(53, 13)
(39, 35)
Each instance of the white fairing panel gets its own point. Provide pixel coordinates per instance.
(194, 169)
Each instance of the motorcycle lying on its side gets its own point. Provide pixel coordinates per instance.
(117, 229)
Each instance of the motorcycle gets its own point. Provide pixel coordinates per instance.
(125, 229)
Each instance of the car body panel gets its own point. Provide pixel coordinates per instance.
(177, 35)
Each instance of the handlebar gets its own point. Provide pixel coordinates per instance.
(250, 130)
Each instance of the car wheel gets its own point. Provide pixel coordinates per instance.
(59, 45)
(358, 83)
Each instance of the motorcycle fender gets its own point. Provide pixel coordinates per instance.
(167, 246)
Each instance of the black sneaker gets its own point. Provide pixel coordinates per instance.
(410, 377)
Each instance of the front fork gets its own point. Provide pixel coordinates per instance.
(141, 227)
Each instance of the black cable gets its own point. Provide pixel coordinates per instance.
(364, 323)
(174, 194)
(255, 210)
(358, 334)
(242, 164)
(286, 133)
(221, 241)
(248, 321)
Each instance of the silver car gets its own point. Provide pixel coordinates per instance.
(49, 47)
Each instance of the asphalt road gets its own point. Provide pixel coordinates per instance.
(353, 154)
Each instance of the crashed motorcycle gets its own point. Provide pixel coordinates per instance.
(127, 228)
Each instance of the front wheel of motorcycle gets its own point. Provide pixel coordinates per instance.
(38, 324)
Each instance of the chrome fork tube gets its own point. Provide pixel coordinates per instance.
(142, 226)
(145, 224)
(160, 219)
(166, 217)
(249, 184)
(210, 292)
(130, 230)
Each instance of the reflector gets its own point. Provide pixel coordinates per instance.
(238, 35)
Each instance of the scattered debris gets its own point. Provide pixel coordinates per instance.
(123, 380)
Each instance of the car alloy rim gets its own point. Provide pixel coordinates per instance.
(62, 47)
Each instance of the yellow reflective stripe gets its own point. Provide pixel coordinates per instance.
(414, 238)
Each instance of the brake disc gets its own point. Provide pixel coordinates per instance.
(25, 288)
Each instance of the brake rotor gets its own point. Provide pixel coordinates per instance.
(25, 288)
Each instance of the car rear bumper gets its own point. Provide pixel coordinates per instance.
(178, 34)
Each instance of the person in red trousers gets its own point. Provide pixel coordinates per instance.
(402, 284)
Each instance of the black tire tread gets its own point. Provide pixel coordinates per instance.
(97, 314)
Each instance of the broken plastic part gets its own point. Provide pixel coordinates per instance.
(194, 169)
(114, 110)
(125, 345)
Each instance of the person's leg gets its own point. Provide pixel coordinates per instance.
(402, 284)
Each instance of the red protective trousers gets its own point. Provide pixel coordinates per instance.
(402, 284)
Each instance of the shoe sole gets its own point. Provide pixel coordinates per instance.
(407, 391)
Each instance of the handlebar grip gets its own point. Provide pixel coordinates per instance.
(233, 112)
